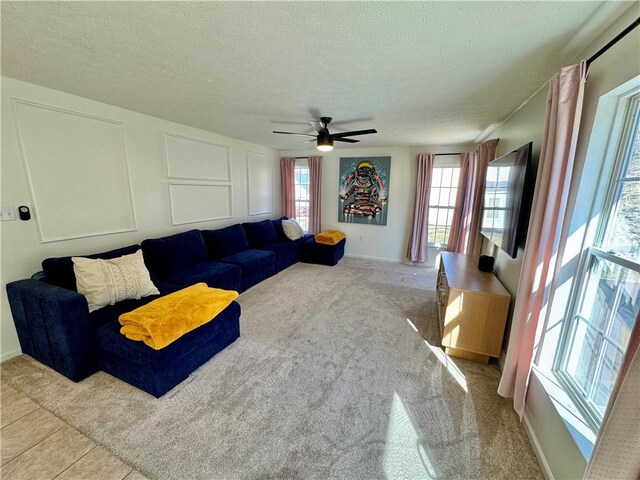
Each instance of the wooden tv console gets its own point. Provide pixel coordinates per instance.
(472, 308)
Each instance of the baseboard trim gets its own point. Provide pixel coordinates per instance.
(7, 355)
(417, 264)
(367, 257)
(544, 466)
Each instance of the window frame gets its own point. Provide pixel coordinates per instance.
(305, 219)
(436, 207)
(623, 148)
(492, 210)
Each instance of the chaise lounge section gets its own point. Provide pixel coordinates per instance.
(158, 371)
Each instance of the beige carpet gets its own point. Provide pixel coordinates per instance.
(329, 380)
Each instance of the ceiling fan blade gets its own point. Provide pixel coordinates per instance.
(293, 133)
(312, 141)
(348, 140)
(317, 125)
(352, 120)
(356, 132)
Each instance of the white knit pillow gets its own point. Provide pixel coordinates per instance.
(105, 282)
(292, 229)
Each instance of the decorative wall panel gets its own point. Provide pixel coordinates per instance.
(77, 171)
(260, 183)
(191, 203)
(193, 159)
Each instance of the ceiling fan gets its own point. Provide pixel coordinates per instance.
(324, 139)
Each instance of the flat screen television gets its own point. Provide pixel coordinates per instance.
(507, 199)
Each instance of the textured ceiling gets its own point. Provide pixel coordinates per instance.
(420, 72)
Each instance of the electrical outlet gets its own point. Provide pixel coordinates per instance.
(7, 214)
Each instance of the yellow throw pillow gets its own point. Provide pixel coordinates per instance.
(105, 282)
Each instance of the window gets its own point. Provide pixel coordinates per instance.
(607, 296)
(495, 201)
(442, 200)
(302, 196)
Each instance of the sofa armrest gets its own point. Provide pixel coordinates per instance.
(54, 327)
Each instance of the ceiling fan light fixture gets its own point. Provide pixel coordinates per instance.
(325, 143)
(324, 139)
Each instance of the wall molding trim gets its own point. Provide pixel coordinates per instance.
(251, 208)
(15, 102)
(537, 449)
(64, 110)
(167, 135)
(173, 205)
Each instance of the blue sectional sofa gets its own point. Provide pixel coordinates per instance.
(55, 327)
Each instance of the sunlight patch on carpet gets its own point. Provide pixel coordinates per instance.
(451, 367)
(412, 325)
(404, 454)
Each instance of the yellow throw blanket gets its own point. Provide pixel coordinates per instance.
(330, 237)
(162, 321)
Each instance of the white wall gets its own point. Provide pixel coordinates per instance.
(58, 131)
(525, 125)
(373, 241)
(555, 444)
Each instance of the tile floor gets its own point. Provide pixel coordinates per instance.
(37, 445)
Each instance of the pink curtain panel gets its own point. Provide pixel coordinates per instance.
(315, 202)
(545, 234)
(477, 174)
(287, 178)
(462, 212)
(418, 248)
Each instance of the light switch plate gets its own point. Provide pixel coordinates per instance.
(7, 214)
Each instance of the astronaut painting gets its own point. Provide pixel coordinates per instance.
(364, 187)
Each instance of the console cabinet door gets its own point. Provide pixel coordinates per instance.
(474, 322)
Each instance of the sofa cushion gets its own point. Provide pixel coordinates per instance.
(305, 238)
(260, 233)
(215, 274)
(112, 312)
(287, 253)
(277, 224)
(169, 255)
(59, 271)
(225, 241)
(256, 265)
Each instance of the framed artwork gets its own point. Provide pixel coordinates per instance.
(364, 190)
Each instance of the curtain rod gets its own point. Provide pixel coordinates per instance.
(615, 40)
(437, 154)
